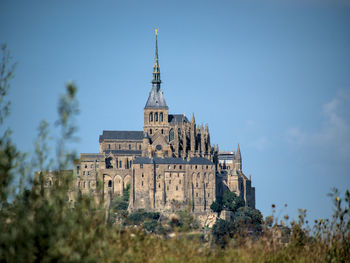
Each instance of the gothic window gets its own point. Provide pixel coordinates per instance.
(174, 166)
(109, 183)
(85, 166)
(162, 131)
(156, 116)
(120, 164)
(140, 147)
(180, 167)
(196, 184)
(161, 117)
(151, 117)
(109, 163)
(88, 173)
(84, 173)
(142, 175)
(129, 146)
(150, 131)
(177, 188)
(171, 135)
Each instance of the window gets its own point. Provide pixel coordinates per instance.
(84, 173)
(141, 165)
(180, 182)
(208, 195)
(119, 146)
(171, 135)
(140, 147)
(156, 116)
(167, 187)
(150, 131)
(207, 166)
(88, 173)
(142, 183)
(169, 167)
(174, 166)
(151, 117)
(196, 194)
(109, 146)
(161, 118)
(180, 166)
(158, 185)
(85, 166)
(196, 184)
(129, 146)
(162, 131)
(142, 175)
(120, 164)
(92, 166)
(177, 188)
(84, 184)
(195, 167)
(108, 162)
(109, 183)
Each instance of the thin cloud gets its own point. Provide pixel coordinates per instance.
(334, 131)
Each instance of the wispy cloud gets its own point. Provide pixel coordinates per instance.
(333, 132)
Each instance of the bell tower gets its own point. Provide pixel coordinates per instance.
(156, 109)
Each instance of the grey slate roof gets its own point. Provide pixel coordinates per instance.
(121, 135)
(196, 160)
(123, 152)
(177, 118)
(156, 98)
(200, 160)
(91, 155)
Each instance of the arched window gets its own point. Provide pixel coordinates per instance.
(161, 117)
(156, 116)
(110, 183)
(171, 135)
(150, 131)
(151, 116)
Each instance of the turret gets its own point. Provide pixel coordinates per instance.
(238, 159)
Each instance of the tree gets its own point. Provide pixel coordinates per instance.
(230, 202)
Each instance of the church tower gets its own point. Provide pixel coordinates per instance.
(156, 109)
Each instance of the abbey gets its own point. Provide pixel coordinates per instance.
(170, 165)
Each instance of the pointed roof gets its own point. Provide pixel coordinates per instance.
(238, 153)
(156, 96)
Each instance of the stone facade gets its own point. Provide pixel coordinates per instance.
(170, 164)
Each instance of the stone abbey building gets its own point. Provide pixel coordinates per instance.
(170, 165)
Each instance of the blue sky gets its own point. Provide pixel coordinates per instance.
(273, 76)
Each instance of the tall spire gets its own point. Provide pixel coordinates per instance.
(156, 97)
(156, 68)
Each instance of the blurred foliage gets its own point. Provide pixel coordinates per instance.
(39, 225)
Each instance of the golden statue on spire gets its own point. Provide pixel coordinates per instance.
(156, 31)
